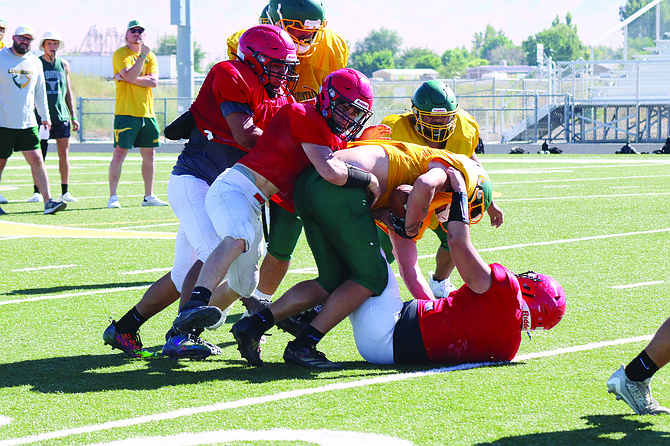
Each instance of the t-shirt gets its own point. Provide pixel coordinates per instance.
(470, 327)
(22, 90)
(463, 140)
(279, 156)
(131, 99)
(331, 54)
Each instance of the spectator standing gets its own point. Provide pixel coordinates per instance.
(21, 91)
(135, 73)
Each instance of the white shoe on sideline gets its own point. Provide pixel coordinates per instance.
(36, 198)
(67, 197)
(113, 202)
(153, 200)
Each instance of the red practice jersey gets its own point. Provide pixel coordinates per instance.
(233, 81)
(279, 155)
(470, 327)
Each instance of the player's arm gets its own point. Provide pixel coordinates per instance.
(69, 102)
(406, 254)
(338, 172)
(472, 268)
(422, 194)
(243, 128)
(133, 73)
(495, 213)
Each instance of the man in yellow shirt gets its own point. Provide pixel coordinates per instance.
(3, 25)
(135, 73)
(320, 52)
(438, 122)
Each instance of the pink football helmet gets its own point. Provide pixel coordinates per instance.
(345, 100)
(544, 301)
(271, 54)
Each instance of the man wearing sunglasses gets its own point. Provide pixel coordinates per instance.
(135, 73)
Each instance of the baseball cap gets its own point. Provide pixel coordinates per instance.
(24, 30)
(52, 35)
(136, 24)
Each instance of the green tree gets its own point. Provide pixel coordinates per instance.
(376, 51)
(645, 25)
(454, 62)
(167, 45)
(560, 41)
(416, 57)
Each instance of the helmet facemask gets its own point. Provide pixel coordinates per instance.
(543, 301)
(434, 132)
(279, 76)
(304, 20)
(346, 118)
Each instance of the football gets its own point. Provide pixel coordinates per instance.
(398, 200)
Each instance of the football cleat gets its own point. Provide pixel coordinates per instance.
(637, 394)
(195, 316)
(188, 346)
(295, 325)
(248, 341)
(153, 200)
(130, 344)
(309, 357)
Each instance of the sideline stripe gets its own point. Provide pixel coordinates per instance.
(304, 392)
(14, 229)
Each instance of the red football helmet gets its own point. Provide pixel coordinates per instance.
(345, 100)
(271, 54)
(544, 301)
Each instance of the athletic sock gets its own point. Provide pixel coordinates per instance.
(641, 368)
(63, 188)
(130, 322)
(262, 321)
(262, 295)
(36, 189)
(308, 338)
(201, 295)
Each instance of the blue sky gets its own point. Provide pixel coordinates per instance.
(436, 24)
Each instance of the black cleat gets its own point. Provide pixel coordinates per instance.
(196, 317)
(128, 343)
(309, 357)
(248, 341)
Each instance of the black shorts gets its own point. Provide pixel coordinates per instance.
(59, 129)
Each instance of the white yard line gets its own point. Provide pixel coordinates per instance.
(247, 402)
(66, 295)
(40, 268)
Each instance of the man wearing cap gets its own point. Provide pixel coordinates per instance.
(61, 109)
(135, 73)
(21, 91)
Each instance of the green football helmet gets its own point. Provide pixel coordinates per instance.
(433, 99)
(264, 19)
(304, 20)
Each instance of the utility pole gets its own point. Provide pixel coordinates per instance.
(181, 16)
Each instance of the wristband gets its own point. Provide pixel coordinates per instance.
(399, 226)
(357, 177)
(458, 210)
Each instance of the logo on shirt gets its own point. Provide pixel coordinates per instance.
(21, 78)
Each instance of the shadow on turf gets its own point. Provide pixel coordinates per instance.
(96, 373)
(602, 430)
(58, 289)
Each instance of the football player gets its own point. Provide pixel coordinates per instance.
(300, 135)
(438, 122)
(341, 232)
(321, 51)
(236, 101)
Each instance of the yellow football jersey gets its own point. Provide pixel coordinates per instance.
(331, 54)
(131, 99)
(464, 139)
